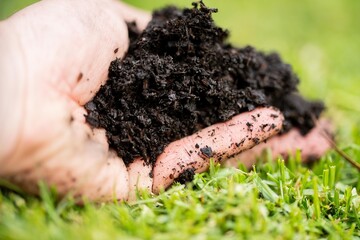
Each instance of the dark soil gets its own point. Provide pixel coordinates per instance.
(180, 75)
(186, 176)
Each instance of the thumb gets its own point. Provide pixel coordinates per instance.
(67, 45)
(107, 40)
(73, 42)
(131, 14)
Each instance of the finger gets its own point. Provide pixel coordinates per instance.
(109, 39)
(219, 142)
(139, 178)
(66, 48)
(63, 48)
(71, 42)
(312, 146)
(131, 14)
(59, 41)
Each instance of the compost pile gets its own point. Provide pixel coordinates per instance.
(180, 75)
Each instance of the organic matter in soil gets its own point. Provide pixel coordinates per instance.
(181, 75)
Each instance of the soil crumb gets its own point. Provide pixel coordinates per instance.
(186, 176)
(181, 75)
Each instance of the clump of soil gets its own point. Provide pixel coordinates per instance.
(186, 176)
(180, 75)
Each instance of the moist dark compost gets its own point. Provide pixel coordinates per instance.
(180, 75)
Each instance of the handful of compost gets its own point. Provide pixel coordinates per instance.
(176, 96)
(181, 76)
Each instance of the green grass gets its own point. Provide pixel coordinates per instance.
(321, 40)
(275, 200)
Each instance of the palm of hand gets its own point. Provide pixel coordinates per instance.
(64, 71)
(61, 71)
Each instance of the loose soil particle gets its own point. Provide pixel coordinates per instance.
(180, 75)
(186, 176)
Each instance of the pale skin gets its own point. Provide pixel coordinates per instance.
(312, 146)
(54, 56)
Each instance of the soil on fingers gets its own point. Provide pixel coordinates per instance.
(181, 75)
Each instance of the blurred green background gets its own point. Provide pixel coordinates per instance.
(319, 38)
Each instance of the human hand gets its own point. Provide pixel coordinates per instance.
(312, 146)
(54, 58)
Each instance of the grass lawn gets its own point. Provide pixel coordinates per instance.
(321, 40)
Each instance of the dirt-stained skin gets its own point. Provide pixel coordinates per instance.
(54, 58)
(180, 75)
